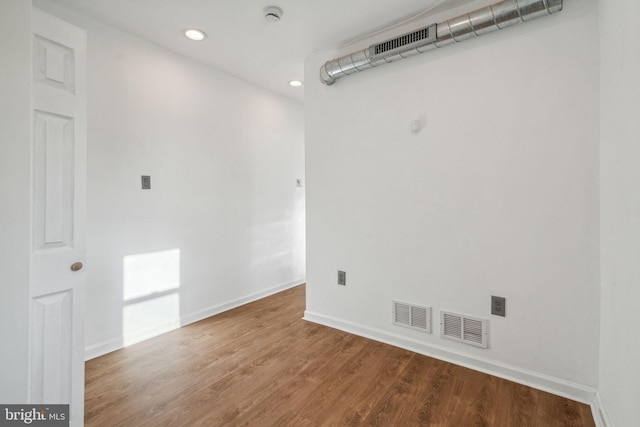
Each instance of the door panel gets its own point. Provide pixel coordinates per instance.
(53, 169)
(52, 348)
(58, 214)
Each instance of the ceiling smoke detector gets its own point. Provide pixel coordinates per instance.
(272, 14)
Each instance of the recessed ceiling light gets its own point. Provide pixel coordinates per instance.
(195, 34)
(295, 83)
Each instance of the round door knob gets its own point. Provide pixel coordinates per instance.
(76, 266)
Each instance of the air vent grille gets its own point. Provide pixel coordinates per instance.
(452, 326)
(472, 330)
(418, 37)
(466, 329)
(402, 314)
(412, 316)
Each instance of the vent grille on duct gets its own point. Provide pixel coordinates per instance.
(419, 37)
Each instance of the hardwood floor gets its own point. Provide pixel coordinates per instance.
(261, 365)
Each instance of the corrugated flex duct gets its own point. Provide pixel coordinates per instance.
(487, 19)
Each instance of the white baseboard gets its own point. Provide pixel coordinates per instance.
(558, 386)
(103, 348)
(118, 343)
(212, 311)
(599, 411)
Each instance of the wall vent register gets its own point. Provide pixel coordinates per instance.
(412, 316)
(465, 329)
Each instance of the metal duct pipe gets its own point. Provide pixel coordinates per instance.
(494, 17)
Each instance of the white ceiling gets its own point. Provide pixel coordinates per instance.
(241, 42)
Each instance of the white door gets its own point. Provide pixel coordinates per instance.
(58, 214)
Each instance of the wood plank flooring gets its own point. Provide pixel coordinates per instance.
(262, 365)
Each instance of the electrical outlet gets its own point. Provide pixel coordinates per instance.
(498, 306)
(342, 278)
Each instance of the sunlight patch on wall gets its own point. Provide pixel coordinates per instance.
(151, 295)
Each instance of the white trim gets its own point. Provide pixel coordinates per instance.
(212, 311)
(558, 386)
(103, 348)
(118, 343)
(599, 411)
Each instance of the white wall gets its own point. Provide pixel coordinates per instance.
(15, 161)
(620, 210)
(223, 221)
(497, 195)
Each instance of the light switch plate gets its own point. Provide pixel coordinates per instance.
(146, 182)
(342, 278)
